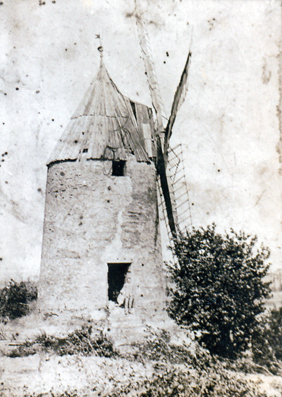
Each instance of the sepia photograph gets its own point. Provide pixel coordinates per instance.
(140, 198)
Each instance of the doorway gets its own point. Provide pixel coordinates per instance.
(116, 278)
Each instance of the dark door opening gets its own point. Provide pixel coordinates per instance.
(116, 278)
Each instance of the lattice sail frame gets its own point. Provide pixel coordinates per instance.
(180, 192)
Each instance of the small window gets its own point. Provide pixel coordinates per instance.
(85, 151)
(118, 168)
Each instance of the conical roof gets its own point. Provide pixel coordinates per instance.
(103, 127)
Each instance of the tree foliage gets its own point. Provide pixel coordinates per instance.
(219, 287)
(15, 297)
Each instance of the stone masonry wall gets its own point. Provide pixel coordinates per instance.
(91, 219)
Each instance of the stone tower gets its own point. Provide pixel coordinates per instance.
(101, 214)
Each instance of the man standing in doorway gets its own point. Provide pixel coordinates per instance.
(126, 294)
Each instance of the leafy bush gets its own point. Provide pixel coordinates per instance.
(14, 299)
(157, 346)
(80, 341)
(219, 287)
(267, 341)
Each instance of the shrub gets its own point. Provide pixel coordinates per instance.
(219, 287)
(14, 299)
(157, 346)
(267, 341)
(80, 341)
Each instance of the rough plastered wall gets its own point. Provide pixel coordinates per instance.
(92, 219)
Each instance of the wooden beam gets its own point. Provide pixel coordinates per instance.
(161, 169)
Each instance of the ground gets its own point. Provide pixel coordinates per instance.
(94, 376)
(168, 364)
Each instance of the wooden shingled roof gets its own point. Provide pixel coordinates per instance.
(104, 126)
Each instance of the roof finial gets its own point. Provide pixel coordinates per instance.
(100, 48)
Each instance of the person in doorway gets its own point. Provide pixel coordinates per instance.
(126, 295)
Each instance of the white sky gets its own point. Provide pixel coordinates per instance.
(228, 124)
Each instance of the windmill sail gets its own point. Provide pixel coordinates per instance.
(179, 186)
(164, 178)
(150, 70)
(179, 98)
(175, 170)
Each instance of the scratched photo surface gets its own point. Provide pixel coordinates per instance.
(229, 124)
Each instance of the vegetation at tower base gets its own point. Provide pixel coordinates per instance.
(219, 287)
(15, 297)
(160, 365)
(81, 342)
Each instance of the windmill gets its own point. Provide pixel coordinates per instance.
(101, 222)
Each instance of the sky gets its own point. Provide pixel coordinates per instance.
(228, 124)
